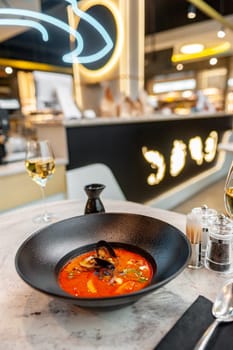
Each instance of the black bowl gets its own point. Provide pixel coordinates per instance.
(39, 258)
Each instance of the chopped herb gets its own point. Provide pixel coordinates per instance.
(142, 279)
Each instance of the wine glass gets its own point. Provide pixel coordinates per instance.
(40, 165)
(228, 192)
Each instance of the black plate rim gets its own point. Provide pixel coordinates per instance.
(136, 294)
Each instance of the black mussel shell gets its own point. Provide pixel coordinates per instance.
(101, 263)
(107, 246)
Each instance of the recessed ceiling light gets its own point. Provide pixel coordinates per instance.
(8, 70)
(221, 33)
(213, 61)
(179, 66)
(191, 48)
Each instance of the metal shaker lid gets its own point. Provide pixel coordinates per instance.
(221, 227)
(204, 211)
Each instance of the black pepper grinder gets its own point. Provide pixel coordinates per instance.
(219, 251)
(94, 203)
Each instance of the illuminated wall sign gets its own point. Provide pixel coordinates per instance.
(98, 73)
(73, 56)
(211, 145)
(186, 84)
(196, 149)
(157, 161)
(26, 23)
(82, 14)
(178, 156)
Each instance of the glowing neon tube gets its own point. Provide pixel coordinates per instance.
(26, 23)
(102, 31)
(73, 56)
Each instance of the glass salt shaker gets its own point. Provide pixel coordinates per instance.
(206, 215)
(219, 250)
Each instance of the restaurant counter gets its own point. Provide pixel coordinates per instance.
(154, 159)
(32, 320)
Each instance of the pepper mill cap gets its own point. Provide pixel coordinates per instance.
(221, 227)
(204, 212)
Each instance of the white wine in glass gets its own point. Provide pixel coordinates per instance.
(40, 165)
(228, 192)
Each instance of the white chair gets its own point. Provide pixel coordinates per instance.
(95, 173)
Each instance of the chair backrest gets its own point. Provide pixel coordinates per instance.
(95, 173)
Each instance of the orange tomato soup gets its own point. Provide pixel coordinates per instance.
(128, 272)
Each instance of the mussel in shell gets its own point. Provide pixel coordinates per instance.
(104, 250)
(104, 264)
(104, 258)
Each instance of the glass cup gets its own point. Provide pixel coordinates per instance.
(40, 166)
(228, 192)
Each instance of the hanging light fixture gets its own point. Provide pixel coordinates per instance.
(192, 12)
(221, 33)
(212, 13)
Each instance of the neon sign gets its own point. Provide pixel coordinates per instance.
(195, 148)
(157, 161)
(211, 144)
(178, 156)
(73, 56)
(94, 75)
(26, 23)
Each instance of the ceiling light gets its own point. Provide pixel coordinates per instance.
(211, 51)
(191, 48)
(176, 85)
(221, 33)
(8, 70)
(213, 61)
(179, 66)
(211, 91)
(192, 12)
(230, 82)
(187, 94)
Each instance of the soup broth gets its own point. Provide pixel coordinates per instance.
(89, 275)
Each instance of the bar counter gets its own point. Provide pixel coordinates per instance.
(158, 116)
(33, 320)
(153, 158)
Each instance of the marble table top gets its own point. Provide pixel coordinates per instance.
(32, 320)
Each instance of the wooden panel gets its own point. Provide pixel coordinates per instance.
(19, 189)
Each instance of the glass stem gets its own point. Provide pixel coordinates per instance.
(44, 202)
